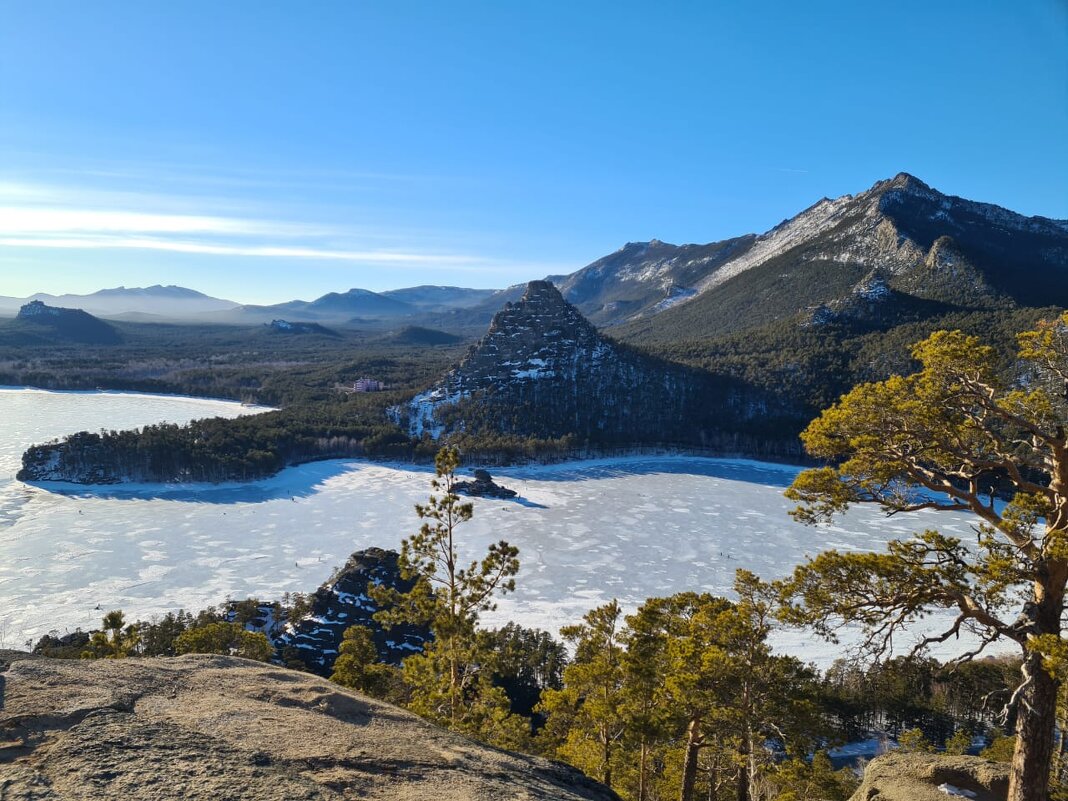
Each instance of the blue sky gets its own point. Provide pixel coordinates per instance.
(262, 151)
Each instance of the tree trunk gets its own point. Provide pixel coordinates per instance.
(606, 768)
(1029, 776)
(743, 772)
(642, 759)
(454, 682)
(689, 762)
(1036, 719)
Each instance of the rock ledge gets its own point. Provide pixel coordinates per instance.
(213, 727)
(933, 777)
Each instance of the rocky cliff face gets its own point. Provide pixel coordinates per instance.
(542, 370)
(203, 728)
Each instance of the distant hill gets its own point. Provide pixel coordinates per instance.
(286, 327)
(161, 302)
(38, 323)
(645, 278)
(334, 307)
(439, 298)
(417, 335)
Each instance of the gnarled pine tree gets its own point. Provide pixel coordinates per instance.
(955, 435)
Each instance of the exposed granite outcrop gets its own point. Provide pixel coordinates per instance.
(932, 777)
(343, 601)
(204, 728)
(482, 485)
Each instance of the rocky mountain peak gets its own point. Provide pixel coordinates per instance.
(541, 289)
(903, 180)
(530, 339)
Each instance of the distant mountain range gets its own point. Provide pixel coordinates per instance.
(178, 304)
(171, 302)
(898, 251)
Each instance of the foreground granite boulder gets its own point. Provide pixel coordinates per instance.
(213, 727)
(933, 777)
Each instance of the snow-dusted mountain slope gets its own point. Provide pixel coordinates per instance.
(911, 243)
(919, 242)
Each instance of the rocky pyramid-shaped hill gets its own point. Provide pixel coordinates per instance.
(543, 371)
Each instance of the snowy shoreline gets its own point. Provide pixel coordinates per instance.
(126, 393)
(289, 477)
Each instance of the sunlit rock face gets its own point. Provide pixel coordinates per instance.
(202, 727)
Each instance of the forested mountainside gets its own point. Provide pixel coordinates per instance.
(543, 371)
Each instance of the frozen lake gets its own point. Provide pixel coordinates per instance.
(627, 528)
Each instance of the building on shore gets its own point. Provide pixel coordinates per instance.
(367, 385)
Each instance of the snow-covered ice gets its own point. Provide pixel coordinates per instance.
(958, 792)
(626, 528)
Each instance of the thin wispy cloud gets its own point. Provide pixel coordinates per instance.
(15, 220)
(35, 216)
(265, 251)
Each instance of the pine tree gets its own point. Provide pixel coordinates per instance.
(914, 741)
(447, 681)
(953, 436)
(359, 667)
(228, 639)
(959, 743)
(115, 641)
(586, 717)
